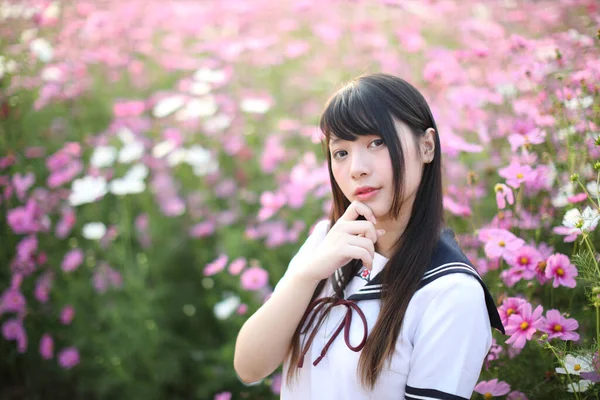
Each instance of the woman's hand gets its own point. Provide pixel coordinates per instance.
(348, 239)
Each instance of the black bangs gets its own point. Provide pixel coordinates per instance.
(355, 111)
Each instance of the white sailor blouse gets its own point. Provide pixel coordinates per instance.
(444, 339)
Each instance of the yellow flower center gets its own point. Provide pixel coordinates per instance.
(498, 187)
(560, 272)
(524, 325)
(541, 266)
(488, 395)
(501, 243)
(510, 311)
(520, 175)
(524, 260)
(576, 367)
(558, 328)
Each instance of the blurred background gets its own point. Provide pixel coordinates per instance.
(160, 164)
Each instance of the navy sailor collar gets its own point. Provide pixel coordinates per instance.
(448, 258)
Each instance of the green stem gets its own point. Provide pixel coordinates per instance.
(588, 195)
(597, 325)
(562, 364)
(592, 252)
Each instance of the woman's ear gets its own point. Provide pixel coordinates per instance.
(428, 145)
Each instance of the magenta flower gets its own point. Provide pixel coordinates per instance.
(223, 396)
(516, 174)
(254, 278)
(42, 287)
(46, 347)
(12, 300)
(68, 358)
(500, 243)
(557, 326)
(22, 220)
(216, 265)
(510, 306)
(202, 229)
(12, 329)
(67, 314)
(559, 267)
(26, 248)
(516, 395)
(237, 265)
(503, 194)
(492, 388)
(106, 277)
(72, 260)
(522, 326)
(276, 385)
(22, 183)
(65, 224)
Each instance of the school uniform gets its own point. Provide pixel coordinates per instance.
(444, 339)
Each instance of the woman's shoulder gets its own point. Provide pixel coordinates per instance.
(456, 288)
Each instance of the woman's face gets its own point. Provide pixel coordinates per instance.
(366, 162)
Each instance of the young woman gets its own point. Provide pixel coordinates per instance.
(379, 302)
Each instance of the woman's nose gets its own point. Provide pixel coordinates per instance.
(359, 166)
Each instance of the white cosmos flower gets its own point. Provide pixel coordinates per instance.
(592, 188)
(577, 102)
(564, 132)
(579, 387)
(197, 156)
(197, 108)
(163, 148)
(176, 157)
(561, 200)
(575, 365)
(200, 88)
(87, 190)
(103, 156)
(94, 230)
(131, 152)
(210, 75)
(573, 219)
(206, 169)
(590, 219)
(125, 135)
(138, 172)
(226, 307)
(42, 49)
(122, 187)
(51, 73)
(217, 123)
(255, 105)
(168, 105)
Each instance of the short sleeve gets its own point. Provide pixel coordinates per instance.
(451, 341)
(318, 234)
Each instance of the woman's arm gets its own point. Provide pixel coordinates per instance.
(265, 338)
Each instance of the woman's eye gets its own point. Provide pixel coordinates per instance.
(338, 154)
(378, 142)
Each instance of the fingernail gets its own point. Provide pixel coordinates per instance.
(380, 232)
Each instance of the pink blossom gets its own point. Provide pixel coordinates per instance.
(46, 347)
(216, 265)
(492, 388)
(68, 357)
(535, 136)
(64, 175)
(22, 183)
(254, 278)
(516, 174)
(202, 229)
(503, 194)
(106, 277)
(35, 152)
(276, 385)
(500, 243)
(510, 306)
(242, 309)
(237, 265)
(23, 220)
(12, 300)
(557, 326)
(66, 223)
(270, 204)
(223, 396)
(570, 234)
(42, 287)
(516, 395)
(522, 326)
(12, 329)
(132, 108)
(67, 314)
(559, 267)
(72, 260)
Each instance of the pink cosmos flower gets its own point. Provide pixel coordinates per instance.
(503, 194)
(67, 314)
(23, 220)
(72, 260)
(68, 357)
(223, 396)
(510, 306)
(500, 243)
(516, 174)
(46, 346)
(535, 136)
(12, 329)
(237, 265)
(216, 265)
(202, 229)
(270, 204)
(516, 395)
(22, 183)
(557, 326)
(276, 385)
(12, 300)
(492, 388)
(522, 326)
(65, 224)
(254, 278)
(42, 287)
(559, 267)
(105, 277)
